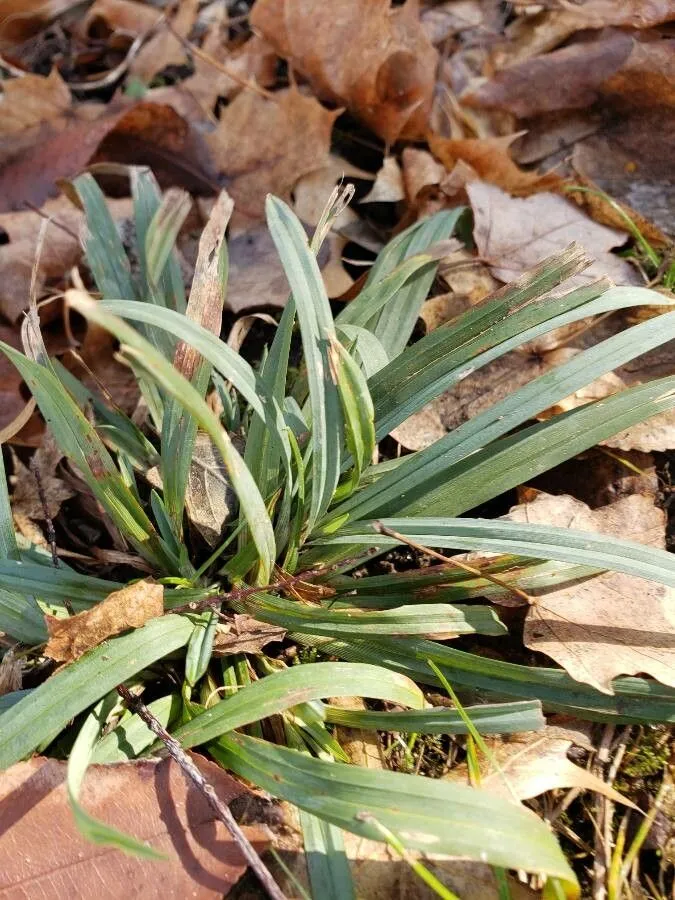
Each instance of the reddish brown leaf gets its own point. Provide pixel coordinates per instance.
(373, 59)
(21, 19)
(143, 134)
(491, 160)
(44, 855)
(264, 146)
(130, 607)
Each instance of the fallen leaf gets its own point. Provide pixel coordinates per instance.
(27, 505)
(256, 277)
(513, 234)
(383, 70)
(164, 49)
(255, 61)
(448, 19)
(11, 673)
(420, 170)
(97, 365)
(32, 100)
(60, 251)
(549, 134)
(612, 624)
(491, 160)
(531, 35)
(44, 853)
(21, 19)
(388, 186)
(139, 134)
(12, 403)
(420, 430)
(265, 145)
(130, 607)
(361, 746)
(125, 16)
(532, 763)
(246, 636)
(210, 499)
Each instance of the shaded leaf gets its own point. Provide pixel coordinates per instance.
(27, 504)
(247, 635)
(130, 607)
(150, 799)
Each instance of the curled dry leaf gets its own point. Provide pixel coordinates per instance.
(375, 60)
(490, 159)
(265, 145)
(612, 624)
(247, 635)
(43, 852)
(130, 607)
(125, 16)
(513, 234)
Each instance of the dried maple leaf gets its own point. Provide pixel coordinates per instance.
(265, 145)
(491, 160)
(373, 59)
(44, 854)
(32, 100)
(513, 234)
(130, 607)
(613, 624)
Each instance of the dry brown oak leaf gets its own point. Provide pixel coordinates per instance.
(265, 145)
(130, 607)
(44, 855)
(363, 54)
(613, 624)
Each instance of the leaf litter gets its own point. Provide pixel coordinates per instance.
(447, 104)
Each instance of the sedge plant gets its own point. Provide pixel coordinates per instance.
(313, 504)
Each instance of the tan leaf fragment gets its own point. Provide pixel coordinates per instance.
(11, 673)
(27, 505)
(613, 624)
(44, 854)
(21, 19)
(382, 69)
(210, 498)
(533, 763)
(164, 49)
(512, 234)
(120, 16)
(264, 146)
(388, 187)
(130, 607)
(247, 635)
(31, 100)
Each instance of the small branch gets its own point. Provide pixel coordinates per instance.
(49, 526)
(191, 772)
(452, 561)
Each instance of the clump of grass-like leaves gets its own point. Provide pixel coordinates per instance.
(312, 505)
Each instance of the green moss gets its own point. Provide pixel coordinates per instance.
(645, 758)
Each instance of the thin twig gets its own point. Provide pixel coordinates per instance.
(280, 585)
(453, 561)
(190, 770)
(205, 57)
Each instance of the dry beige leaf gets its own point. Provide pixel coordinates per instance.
(11, 673)
(255, 61)
(514, 234)
(363, 747)
(265, 145)
(164, 49)
(32, 100)
(388, 187)
(533, 763)
(44, 854)
(384, 70)
(612, 624)
(247, 635)
(119, 16)
(130, 607)
(421, 429)
(420, 170)
(210, 498)
(27, 504)
(448, 19)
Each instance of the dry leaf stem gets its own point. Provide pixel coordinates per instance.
(452, 561)
(190, 770)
